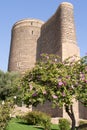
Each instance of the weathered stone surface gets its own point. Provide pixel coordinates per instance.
(23, 44)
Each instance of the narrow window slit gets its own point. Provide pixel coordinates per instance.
(32, 32)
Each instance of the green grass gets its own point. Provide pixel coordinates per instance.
(16, 124)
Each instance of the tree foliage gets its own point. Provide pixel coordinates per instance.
(4, 115)
(56, 81)
(8, 84)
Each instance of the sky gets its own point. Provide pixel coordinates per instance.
(12, 11)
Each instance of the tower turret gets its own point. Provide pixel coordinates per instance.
(23, 44)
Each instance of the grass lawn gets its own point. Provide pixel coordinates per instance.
(15, 124)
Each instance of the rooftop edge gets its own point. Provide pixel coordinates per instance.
(27, 20)
(66, 4)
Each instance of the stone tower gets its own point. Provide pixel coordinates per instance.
(23, 44)
(31, 37)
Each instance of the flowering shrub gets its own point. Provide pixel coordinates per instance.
(56, 81)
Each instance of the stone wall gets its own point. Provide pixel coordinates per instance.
(50, 38)
(82, 111)
(47, 108)
(58, 35)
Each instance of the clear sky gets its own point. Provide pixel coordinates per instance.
(12, 11)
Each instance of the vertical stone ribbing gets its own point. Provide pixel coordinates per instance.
(68, 32)
(68, 42)
(67, 23)
(23, 44)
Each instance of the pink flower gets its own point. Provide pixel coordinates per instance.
(34, 95)
(73, 59)
(63, 94)
(31, 87)
(60, 83)
(86, 68)
(86, 80)
(68, 77)
(47, 57)
(44, 92)
(82, 77)
(65, 83)
(54, 96)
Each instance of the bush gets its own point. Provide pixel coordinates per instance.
(64, 124)
(4, 116)
(38, 118)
